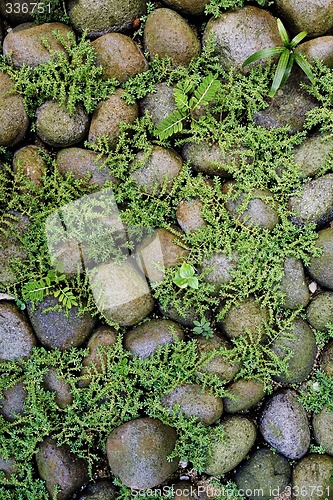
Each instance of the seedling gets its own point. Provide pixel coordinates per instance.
(203, 328)
(185, 276)
(288, 57)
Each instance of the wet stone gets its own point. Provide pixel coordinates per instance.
(247, 317)
(189, 215)
(294, 285)
(145, 339)
(55, 383)
(311, 478)
(14, 120)
(16, 336)
(30, 162)
(137, 452)
(321, 268)
(245, 394)
(100, 490)
(323, 429)
(313, 16)
(159, 104)
(12, 403)
(320, 311)
(190, 7)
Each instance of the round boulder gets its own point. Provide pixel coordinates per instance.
(208, 158)
(100, 490)
(320, 311)
(167, 34)
(248, 317)
(16, 336)
(243, 395)
(14, 120)
(293, 285)
(220, 266)
(55, 383)
(326, 359)
(323, 429)
(137, 452)
(219, 365)
(312, 478)
(313, 16)
(319, 48)
(159, 104)
(58, 128)
(284, 425)
(104, 336)
(189, 215)
(189, 7)
(313, 153)
(321, 268)
(29, 161)
(12, 403)
(99, 17)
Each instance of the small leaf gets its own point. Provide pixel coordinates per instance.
(186, 270)
(297, 39)
(288, 69)
(283, 33)
(170, 125)
(181, 100)
(180, 282)
(263, 54)
(205, 92)
(279, 73)
(305, 66)
(193, 283)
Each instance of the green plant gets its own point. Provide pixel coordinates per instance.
(217, 7)
(185, 276)
(287, 58)
(203, 328)
(51, 284)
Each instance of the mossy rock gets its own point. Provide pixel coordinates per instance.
(208, 158)
(320, 311)
(12, 402)
(248, 317)
(244, 393)
(190, 7)
(14, 120)
(314, 203)
(189, 215)
(103, 336)
(321, 267)
(316, 18)
(29, 161)
(326, 359)
(219, 364)
(312, 478)
(323, 429)
(102, 489)
(313, 153)
(159, 104)
(318, 48)
(294, 285)
(54, 382)
(16, 336)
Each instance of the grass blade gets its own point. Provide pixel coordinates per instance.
(263, 54)
(279, 73)
(298, 38)
(288, 69)
(305, 66)
(283, 33)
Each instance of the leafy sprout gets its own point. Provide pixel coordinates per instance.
(185, 276)
(203, 328)
(288, 57)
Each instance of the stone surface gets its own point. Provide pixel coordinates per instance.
(103, 336)
(320, 311)
(303, 351)
(314, 203)
(14, 120)
(108, 116)
(10, 244)
(8, 466)
(119, 56)
(319, 48)
(55, 383)
(294, 285)
(313, 16)
(121, 293)
(12, 403)
(58, 128)
(190, 7)
(240, 33)
(245, 394)
(313, 153)
(55, 330)
(189, 215)
(80, 162)
(321, 268)
(29, 161)
(16, 335)
(58, 466)
(284, 425)
(159, 104)
(323, 429)
(221, 267)
(219, 364)
(239, 437)
(137, 452)
(100, 490)
(208, 158)
(158, 171)
(247, 317)
(326, 359)
(185, 319)
(167, 34)
(146, 338)
(24, 43)
(184, 490)
(311, 478)
(264, 472)
(99, 17)
(195, 402)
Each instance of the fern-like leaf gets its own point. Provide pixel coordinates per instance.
(181, 100)
(171, 125)
(206, 91)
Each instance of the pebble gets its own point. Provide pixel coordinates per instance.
(313, 16)
(311, 478)
(323, 429)
(14, 120)
(16, 336)
(321, 268)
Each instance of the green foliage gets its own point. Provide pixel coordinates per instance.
(203, 328)
(323, 337)
(322, 115)
(52, 11)
(51, 284)
(70, 77)
(185, 276)
(318, 392)
(287, 58)
(217, 7)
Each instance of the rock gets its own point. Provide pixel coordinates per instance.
(10, 245)
(321, 268)
(320, 311)
(221, 266)
(314, 203)
(239, 437)
(108, 116)
(284, 425)
(158, 171)
(189, 215)
(145, 339)
(313, 16)
(208, 158)
(56, 330)
(290, 96)
(245, 394)
(319, 48)
(104, 336)
(8, 466)
(58, 466)
(248, 317)
(240, 33)
(55, 383)
(167, 34)
(190, 7)
(58, 128)
(219, 365)
(313, 153)
(137, 452)
(264, 472)
(12, 404)
(184, 490)
(29, 161)
(303, 352)
(159, 104)
(17, 11)
(14, 120)
(261, 208)
(195, 402)
(121, 293)
(323, 429)
(294, 285)
(16, 336)
(160, 251)
(80, 162)
(99, 17)
(311, 478)
(326, 360)
(187, 319)
(25, 46)
(100, 490)
(119, 57)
